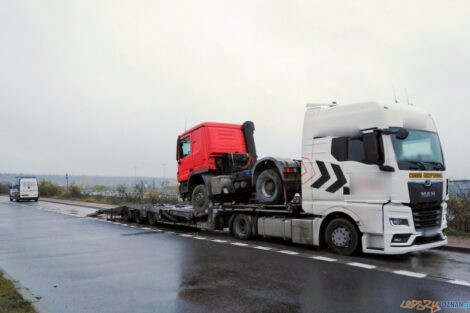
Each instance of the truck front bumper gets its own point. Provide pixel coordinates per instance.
(404, 249)
(400, 239)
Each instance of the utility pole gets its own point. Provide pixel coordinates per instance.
(67, 180)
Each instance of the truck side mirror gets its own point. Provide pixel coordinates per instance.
(399, 132)
(402, 134)
(371, 148)
(177, 148)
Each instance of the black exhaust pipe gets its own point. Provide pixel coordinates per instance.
(248, 131)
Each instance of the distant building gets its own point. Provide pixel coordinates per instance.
(459, 188)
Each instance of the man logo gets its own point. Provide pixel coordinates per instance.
(427, 183)
(428, 194)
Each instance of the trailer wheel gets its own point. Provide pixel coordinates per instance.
(269, 187)
(139, 219)
(200, 199)
(342, 237)
(126, 215)
(242, 226)
(152, 218)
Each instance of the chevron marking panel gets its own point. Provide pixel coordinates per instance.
(338, 180)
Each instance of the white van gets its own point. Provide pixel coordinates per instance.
(24, 188)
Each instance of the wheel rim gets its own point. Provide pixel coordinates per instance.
(341, 237)
(268, 188)
(199, 198)
(242, 226)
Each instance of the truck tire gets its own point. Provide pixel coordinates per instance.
(126, 215)
(242, 227)
(342, 236)
(269, 187)
(200, 199)
(152, 218)
(139, 218)
(36, 199)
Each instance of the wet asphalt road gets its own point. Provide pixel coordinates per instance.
(84, 265)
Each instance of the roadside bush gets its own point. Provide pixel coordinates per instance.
(153, 195)
(75, 191)
(49, 189)
(458, 213)
(4, 188)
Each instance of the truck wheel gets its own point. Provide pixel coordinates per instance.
(152, 218)
(36, 199)
(139, 219)
(242, 227)
(200, 199)
(269, 187)
(126, 215)
(342, 237)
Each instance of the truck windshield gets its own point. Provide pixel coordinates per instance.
(421, 150)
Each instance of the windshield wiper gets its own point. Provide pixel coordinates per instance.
(420, 165)
(437, 165)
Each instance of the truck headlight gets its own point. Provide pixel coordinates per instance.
(399, 222)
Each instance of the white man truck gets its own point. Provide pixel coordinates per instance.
(371, 178)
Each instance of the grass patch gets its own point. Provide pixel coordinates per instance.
(457, 233)
(10, 300)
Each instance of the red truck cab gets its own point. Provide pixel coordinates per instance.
(215, 159)
(200, 146)
(218, 162)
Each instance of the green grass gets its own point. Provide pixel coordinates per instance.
(10, 300)
(457, 233)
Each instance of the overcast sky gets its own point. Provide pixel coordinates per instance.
(100, 87)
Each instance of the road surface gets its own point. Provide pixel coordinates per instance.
(79, 264)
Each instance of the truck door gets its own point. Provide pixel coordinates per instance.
(185, 162)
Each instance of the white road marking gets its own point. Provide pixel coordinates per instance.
(124, 225)
(323, 258)
(146, 228)
(186, 235)
(411, 274)
(241, 244)
(133, 226)
(288, 252)
(219, 240)
(168, 232)
(460, 282)
(198, 237)
(262, 248)
(363, 265)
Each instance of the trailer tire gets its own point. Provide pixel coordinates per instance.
(242, 227)
(342, 236)
(139, 219)
(152, 218)
(200, 199)
(269, 187)
(126, 215)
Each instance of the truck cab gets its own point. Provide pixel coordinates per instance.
(217, 162)
(215, 159)
(375, 175)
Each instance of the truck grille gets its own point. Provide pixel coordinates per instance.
(426, 217)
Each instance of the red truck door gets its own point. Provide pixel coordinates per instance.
(185, 162)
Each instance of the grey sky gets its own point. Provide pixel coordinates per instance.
(98, 87)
